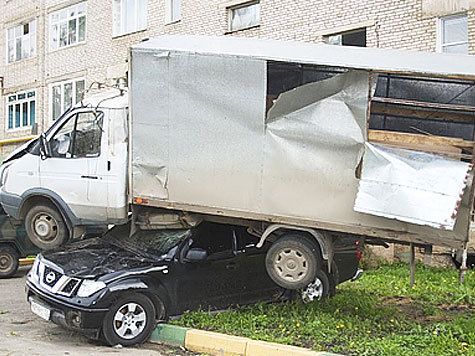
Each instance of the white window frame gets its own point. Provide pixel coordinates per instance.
(244, 4)
(55, 19)
(119, 14)
(172, 11)
(28, 100)
(440, 32)
(30, 38)
(62, 84)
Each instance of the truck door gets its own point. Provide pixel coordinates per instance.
(70, 171)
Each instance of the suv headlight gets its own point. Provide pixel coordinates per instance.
(4, 176)
(89, 287)
(35, 270)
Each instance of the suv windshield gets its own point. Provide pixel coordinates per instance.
(156, 243)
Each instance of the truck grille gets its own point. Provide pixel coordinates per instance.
(55, 281)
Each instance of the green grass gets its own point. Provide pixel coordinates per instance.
(377, 315)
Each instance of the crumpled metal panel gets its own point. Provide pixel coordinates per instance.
(412, 186)
(312, 149)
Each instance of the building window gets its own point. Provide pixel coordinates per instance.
(68, 26)
(129, 16)
(452, 34)
(21, 41)
(64, 95)
(172, 10)
(21, 109)
(244, 16)
(351, 38)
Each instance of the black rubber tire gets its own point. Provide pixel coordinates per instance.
(301, 245)
(60, 234)
(323, 277)
(112, 337)
(8, 261)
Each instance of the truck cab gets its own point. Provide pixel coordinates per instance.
(73, 175)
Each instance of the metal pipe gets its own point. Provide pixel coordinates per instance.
(413, 266)
(17, 139)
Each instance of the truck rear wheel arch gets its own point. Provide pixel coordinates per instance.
(320, 239)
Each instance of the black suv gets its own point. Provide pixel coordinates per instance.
(117, 286)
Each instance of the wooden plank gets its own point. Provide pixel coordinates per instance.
(420, 113)
(417, 139)
(424, 104)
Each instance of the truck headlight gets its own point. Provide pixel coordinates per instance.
(89, 287)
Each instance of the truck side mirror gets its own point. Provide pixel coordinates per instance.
(196, 254)
(43, 147)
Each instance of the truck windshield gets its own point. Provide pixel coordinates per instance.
(152, 243)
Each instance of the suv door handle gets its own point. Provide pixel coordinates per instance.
(90, 177)
(231, 266)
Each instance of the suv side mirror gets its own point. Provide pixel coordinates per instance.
(196, 254)
(43, 146)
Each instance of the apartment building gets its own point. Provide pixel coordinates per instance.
(52, 50)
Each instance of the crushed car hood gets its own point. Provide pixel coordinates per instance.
(95, 257)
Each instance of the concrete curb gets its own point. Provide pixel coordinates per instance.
(218, 344)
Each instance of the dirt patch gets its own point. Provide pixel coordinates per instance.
(426, 313)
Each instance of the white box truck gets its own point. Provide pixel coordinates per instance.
(270, 135)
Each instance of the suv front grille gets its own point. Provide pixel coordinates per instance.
(55, 281)
(50, 276)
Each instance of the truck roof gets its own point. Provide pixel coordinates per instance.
(372, 59)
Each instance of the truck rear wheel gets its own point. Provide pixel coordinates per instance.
(8, 261)
(45, 226)
(292, 261)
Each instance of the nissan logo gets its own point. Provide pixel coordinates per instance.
(50, 277)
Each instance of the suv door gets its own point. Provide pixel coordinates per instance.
(71, 169)
(217, 281)
(257, 284)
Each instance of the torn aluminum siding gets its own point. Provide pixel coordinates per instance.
(416, 187)
(201, 142)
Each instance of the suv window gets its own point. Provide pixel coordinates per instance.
(216, 239)
(80, 136)
(245, 240)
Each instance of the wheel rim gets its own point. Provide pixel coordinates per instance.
(129, 321)
(45, 227)
(291, 264)
(314, 291)
(6, 262)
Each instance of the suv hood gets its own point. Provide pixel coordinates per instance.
(95, 257)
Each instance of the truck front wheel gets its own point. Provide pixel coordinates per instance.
(45, 226)
(292, 261)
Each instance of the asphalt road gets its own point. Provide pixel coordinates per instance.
(23, 333)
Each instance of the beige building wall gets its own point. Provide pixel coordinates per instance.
(402, 24)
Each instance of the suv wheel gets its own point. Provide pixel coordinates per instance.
(45, 226)
(317, 290)
(129, 321)
(292, 261)
(8, 261)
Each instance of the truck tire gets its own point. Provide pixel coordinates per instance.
(292, 261)
(46, 227)
(129, 321)
(8, 261)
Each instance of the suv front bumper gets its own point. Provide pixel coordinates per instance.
(86, 320)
